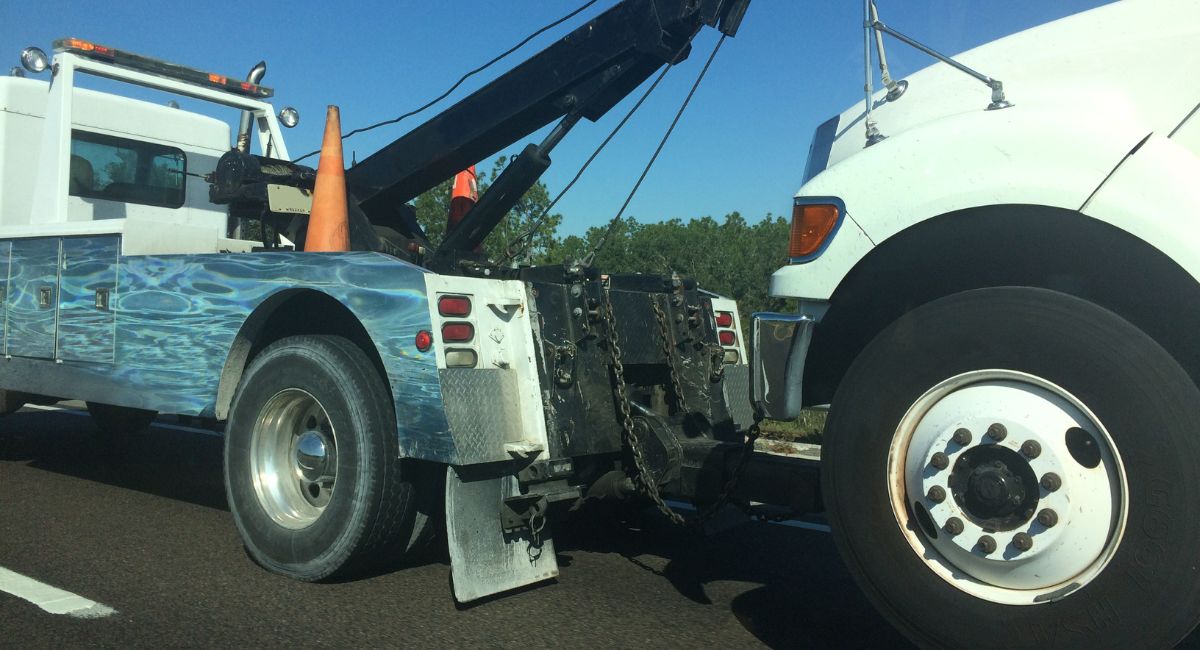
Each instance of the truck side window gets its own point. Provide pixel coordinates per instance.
(130, 171)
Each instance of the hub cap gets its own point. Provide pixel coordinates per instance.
(1032, 448)
(293, 456)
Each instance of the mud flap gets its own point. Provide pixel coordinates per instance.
(486, 559)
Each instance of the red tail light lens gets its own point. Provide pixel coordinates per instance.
(458, 332)
(424, 340)
(724, 319)
(727, 337)
(454, 306)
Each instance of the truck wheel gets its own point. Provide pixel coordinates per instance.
(1016, 467)
(114, 421)
(311, 469)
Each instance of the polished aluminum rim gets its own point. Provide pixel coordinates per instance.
(293, 457)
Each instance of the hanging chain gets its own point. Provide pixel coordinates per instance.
(644, 476)
(727, 491)
(676, 384)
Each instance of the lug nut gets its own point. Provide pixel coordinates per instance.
(1031, 449)
(1022, 542)
(997, 432)
(953, 526)
(1051, 481)
(937, 494)
(962, 437)
(987, 544)
(1047, 518)
(940, 460)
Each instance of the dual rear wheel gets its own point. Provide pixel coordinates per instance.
(312, 472)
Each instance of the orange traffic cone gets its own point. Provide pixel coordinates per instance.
(463, 196)
(328, 223)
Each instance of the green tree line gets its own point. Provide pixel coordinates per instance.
(729, 256)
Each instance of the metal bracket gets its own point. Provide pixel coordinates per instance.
(45, 297)
(516, 512)
(102, 299)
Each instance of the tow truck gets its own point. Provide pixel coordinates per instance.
(369, 395)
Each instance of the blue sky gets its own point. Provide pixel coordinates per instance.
(740, 146)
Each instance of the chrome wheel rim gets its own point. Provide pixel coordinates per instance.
(1007, 487)
(293, 457)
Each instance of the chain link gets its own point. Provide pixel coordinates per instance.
(676, 384)
(644, 476)
(727, 491)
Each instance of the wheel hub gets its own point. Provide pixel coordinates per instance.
(310, 455)
(996, 487)
(294, 458)
(1026, 517)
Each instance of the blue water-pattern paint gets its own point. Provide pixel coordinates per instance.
(34, 266)
(85, 332)
(176, 317)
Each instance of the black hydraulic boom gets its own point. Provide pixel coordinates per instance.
(583, 75)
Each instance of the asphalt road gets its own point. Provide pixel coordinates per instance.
(141, 526)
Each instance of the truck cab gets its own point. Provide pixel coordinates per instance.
(78, 162)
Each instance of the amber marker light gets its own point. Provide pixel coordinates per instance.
(812, 225)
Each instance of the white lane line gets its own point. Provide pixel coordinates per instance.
(51, 599)
(160, 425)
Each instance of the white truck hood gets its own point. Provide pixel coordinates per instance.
(1134, 60)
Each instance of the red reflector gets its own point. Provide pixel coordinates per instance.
(724, 319)
(727, 337)
(454, 306)
(424, 340)
(458, 332)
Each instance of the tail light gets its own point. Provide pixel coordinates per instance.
(724, 319)
(424, 340)
(457, 332)
(727, 337)
(459, 306)
(461, 358)
(812, 224)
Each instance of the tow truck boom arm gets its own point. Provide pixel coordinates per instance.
(584, 74)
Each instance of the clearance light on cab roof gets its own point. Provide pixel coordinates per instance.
(814, 221)
(160, 68)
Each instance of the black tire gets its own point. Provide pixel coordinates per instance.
(1148, 595)
(372, 508)
(115, 421)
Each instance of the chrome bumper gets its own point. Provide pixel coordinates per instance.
(779, 345)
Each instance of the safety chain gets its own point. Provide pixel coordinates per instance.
(644, 476)
(676, 384)
(727, 491)
(537, 522)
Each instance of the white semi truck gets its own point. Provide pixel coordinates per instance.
(997, 267)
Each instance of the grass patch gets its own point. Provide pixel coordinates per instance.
(806, 428)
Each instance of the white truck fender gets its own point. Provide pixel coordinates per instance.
(1153, 196)
(1054, 158)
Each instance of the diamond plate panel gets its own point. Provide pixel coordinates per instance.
(483, 410)
(736, 388)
